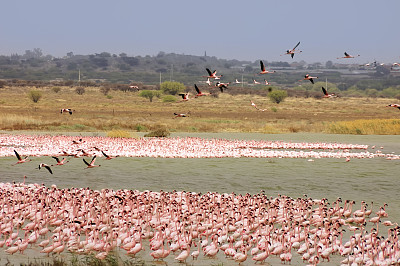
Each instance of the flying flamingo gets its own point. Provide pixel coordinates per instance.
(67, 110)
(185, 96)
(308, 77)
(199, 93)
(59, 162)
(91, 164)
(108, 157)
(20, 159)
(45, 166)
(326, 94)
(212, 75)
(263, 71)
(266, 82)
(182, 114)
(208, 82)
(222, 86)
(237, 81)
(255, 106)
(293, 51)
(346, 55)
(256, 82)
(394, 105)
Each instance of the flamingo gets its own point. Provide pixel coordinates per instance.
(45, 166)
(394, 105)
(222, 86)
(255, 106)
(212, 75)
(108, 157)
(59, 162)
(326, 95)
(91, 164)
(67, 110)
(181, 114)
(199, 93)
(256, 82)
(266, 82)
(20, 159)
(346, 55)
(208, 82)
(237, 81)
(185, 96)
(263, 71)
(293, 51)
(308, 77)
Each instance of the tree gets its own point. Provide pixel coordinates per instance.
(149, 94)
(35, 96)
(277, 96)
(172, 87)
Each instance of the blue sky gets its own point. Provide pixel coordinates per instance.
(244, 30)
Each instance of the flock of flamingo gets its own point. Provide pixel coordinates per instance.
(182, 226)
(222, 86)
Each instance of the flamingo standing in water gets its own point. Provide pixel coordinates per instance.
(263, 71)
(20, 159)
(91, 164)
(293, 51)
(308, 77)
(346, 55)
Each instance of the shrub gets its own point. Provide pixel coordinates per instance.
(172, 87)
(277, 96)
(35, 96)
(160, 132)
(56, 89)
(80, 90)
(149, 94)
(169, 99)
(117, 133)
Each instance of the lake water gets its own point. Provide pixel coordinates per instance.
(372, 180)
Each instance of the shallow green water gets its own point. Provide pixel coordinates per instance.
(370, 180)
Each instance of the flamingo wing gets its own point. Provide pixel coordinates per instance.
(324, 91)
(93, 159)
(312, 81)
(16, 154)
(209, 71)
(296, 45)
(105, 155)
(346, 54)
(85, 162)
(262, 65)
(48, 169)
(197, 89)
(56, 158)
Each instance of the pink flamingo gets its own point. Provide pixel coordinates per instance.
(91, 164)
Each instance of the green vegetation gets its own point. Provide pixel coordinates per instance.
(172, 87)
(35, 96)
(149, 94)
(277, 96)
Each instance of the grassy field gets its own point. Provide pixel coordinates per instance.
(95, 111)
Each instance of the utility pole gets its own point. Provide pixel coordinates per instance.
(79, 75)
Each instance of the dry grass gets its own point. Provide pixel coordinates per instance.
(128, 111)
